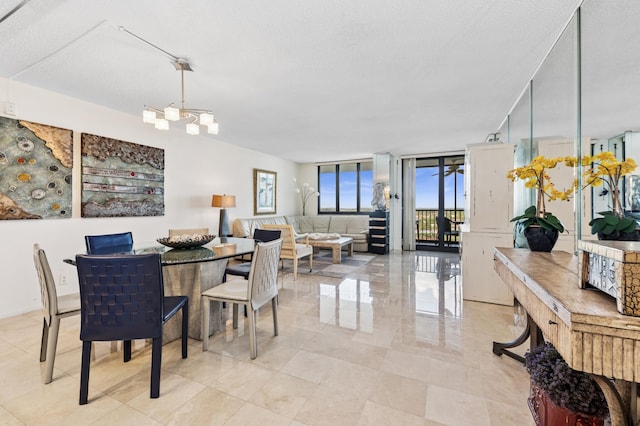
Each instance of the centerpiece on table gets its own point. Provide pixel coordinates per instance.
(604, 169)
(560, 394)
(539, 226)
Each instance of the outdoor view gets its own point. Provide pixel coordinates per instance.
(348, 188)
(427, 198)
(347, 197)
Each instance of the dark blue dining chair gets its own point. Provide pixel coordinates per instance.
(122, 298)
(109, 243)
(242, 269)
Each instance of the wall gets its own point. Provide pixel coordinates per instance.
(308, 173)
(195, 168)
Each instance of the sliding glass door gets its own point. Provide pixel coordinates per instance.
(439, 202)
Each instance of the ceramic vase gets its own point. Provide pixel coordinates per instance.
(546, 413)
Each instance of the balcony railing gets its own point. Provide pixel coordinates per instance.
(427, 224)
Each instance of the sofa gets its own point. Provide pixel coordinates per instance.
(354, 226)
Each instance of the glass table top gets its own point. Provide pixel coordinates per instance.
(219, 248)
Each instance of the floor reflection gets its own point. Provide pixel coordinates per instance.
(432, 292)
(348, 305)
(438, 285)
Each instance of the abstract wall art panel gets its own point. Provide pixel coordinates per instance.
(121, 178)
(35, 170)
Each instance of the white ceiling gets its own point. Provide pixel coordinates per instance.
(300, 79)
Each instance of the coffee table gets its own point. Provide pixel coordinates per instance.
(335, 245)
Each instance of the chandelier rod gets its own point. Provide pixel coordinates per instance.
(182, 78)
(176, 60)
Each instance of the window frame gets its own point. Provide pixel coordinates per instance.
(359, 182)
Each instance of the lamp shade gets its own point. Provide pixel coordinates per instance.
(162, 124)
(223, 201)
(193, 129)
(149, 116)
(172, 113)
(213, 128)
(206, 119)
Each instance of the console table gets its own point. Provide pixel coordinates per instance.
(582, 324)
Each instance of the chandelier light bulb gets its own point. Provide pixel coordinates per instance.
(193, 129)
(172, 113)
(206, 119)
(162, 124)
(212, 129)
(148, 116)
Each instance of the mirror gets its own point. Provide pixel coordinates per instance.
(610, 77)
(554, 125)
(519, 134)
(611, 85)
(609, 115)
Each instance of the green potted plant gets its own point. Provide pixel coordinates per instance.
(540, 227)
(559, 394)
(604, 169)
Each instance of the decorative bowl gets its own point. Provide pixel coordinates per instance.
(186, 241)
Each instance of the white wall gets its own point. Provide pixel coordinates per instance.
(308, 173)
(195, 168)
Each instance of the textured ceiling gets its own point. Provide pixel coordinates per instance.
(300, 79)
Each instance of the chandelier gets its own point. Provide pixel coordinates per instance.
(196, 117)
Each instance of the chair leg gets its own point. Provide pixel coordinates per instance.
(224, 280)
(274, 308)
(185, 329)
(295, 269)
(84, 372)
(311, 262)
(156, 361)
(126, 350)
(253, 345)
(205, 306)
(235, 315)
(52, 343)
(43, 343)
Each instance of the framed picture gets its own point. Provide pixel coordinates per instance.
(264, 192)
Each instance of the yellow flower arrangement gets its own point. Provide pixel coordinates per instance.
(604, 169)
(536, 177)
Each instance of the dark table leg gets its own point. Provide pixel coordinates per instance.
(531, 332)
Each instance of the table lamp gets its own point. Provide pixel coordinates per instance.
(223, 202)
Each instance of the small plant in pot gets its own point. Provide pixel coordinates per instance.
(559, 394)
(604, 169)
(540, 227)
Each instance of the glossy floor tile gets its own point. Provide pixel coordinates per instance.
(390, 343)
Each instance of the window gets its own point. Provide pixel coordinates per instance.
(346, 187)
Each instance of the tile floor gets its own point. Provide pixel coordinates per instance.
(392, 343)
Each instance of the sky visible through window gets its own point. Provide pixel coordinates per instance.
(427, 189)
(348, 190)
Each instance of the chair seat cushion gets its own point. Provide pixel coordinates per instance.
(235, 289)
(303, 250)
(68, 303)
(241, 269)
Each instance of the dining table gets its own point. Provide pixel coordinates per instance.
(191, 271)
